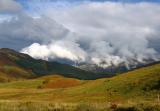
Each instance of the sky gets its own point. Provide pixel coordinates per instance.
(102, 32)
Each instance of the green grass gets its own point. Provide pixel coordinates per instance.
(55, 106)
(141, 84)
(15, 71)
(22, 84)
(11, 73)
(136, 90)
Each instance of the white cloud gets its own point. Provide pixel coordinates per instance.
(113, 32)
(103, 33)
(56, 50)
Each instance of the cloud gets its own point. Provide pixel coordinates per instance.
(9, 6)
(112, 33)
(21, 30)
(55, 51)
(102, 33)
(32, 28)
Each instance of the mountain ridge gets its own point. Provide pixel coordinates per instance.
(15, 65)
(11, 60)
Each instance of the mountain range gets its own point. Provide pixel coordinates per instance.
(15, 65)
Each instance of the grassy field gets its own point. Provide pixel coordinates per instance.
(9, 105)
(138, 90)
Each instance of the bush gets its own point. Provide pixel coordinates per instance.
(126, 109)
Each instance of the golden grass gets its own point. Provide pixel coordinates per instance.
(121, 92)
(56, 81)
(12, 105)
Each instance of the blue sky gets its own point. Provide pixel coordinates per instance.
(35, 6)
(32, 4)
(96, 0)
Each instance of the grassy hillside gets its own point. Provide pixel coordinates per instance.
(137, 90)
(45, 82)
(9, 70)
(141, 83)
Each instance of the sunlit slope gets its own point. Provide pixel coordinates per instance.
(56, 81)
(142, 84)
(46, 82)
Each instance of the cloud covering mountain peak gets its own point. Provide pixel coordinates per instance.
(102, 33)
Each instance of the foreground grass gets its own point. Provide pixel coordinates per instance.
(52, 106)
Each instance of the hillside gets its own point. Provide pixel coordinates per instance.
(9, 70)
(135, 90)
(15, 65)
(141, 83)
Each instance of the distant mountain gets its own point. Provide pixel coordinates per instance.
(15, 65)
(110, 70)
(114, 69)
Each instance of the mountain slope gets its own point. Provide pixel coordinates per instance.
(17, 65)
(9, 70)
(140, 84)
(143, 82)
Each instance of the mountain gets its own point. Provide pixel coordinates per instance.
(15, 65)
(112, 70)
(115, 69)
